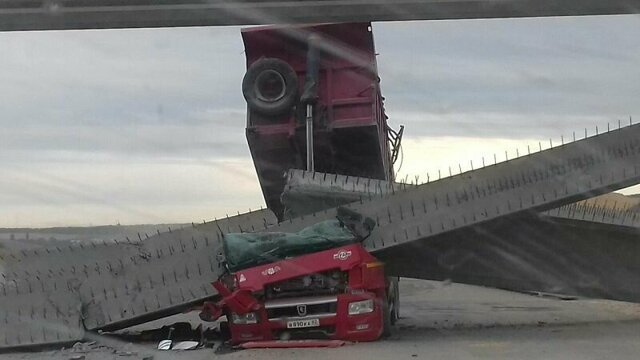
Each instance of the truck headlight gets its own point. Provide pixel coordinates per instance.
(246, 319)
(361, 307)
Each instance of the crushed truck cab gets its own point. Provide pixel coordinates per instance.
(340, 293)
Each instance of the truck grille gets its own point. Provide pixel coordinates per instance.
(328, 283)
(311, 310)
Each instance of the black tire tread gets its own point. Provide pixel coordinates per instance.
(281, 106)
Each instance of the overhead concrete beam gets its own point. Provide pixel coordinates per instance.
(17, 15)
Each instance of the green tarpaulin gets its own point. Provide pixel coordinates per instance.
(245, 250)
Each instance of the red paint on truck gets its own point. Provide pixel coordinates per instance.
(324, 313)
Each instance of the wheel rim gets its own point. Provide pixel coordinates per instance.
(270, 86)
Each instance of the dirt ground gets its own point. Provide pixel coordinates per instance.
(439, 321)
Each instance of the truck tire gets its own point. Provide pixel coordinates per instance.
(270, 87)
(386, 318)
(225, 331)
(390, 307)
(395, 310)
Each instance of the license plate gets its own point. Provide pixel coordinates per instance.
(296, 324)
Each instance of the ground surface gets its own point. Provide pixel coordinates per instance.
(445, 321)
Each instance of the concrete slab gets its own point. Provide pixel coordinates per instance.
(448, 321)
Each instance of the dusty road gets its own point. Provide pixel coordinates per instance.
(441, 321)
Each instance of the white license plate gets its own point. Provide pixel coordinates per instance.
(296, 324)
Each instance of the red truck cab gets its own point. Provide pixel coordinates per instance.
(337, 294)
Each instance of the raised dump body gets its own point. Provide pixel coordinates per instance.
(350, 125)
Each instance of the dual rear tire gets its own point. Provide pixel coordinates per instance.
(390, 307)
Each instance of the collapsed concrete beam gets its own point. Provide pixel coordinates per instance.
(577, 249)
(532, 183)
(114, 294)
(529, 253)
(113, 285)
(596, 214)
(303, 196)
(39, 312)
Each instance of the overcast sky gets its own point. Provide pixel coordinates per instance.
(147, 126)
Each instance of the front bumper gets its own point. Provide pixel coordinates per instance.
(334, 325)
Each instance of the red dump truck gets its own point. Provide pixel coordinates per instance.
(317, 284)
(313, 102)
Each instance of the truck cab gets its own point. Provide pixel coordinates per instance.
(340, 293)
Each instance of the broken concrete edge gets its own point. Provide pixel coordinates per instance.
(153, 315)
(582, 211)
(91, 334)
(29, 348)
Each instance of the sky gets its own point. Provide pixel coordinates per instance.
(147, 125)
